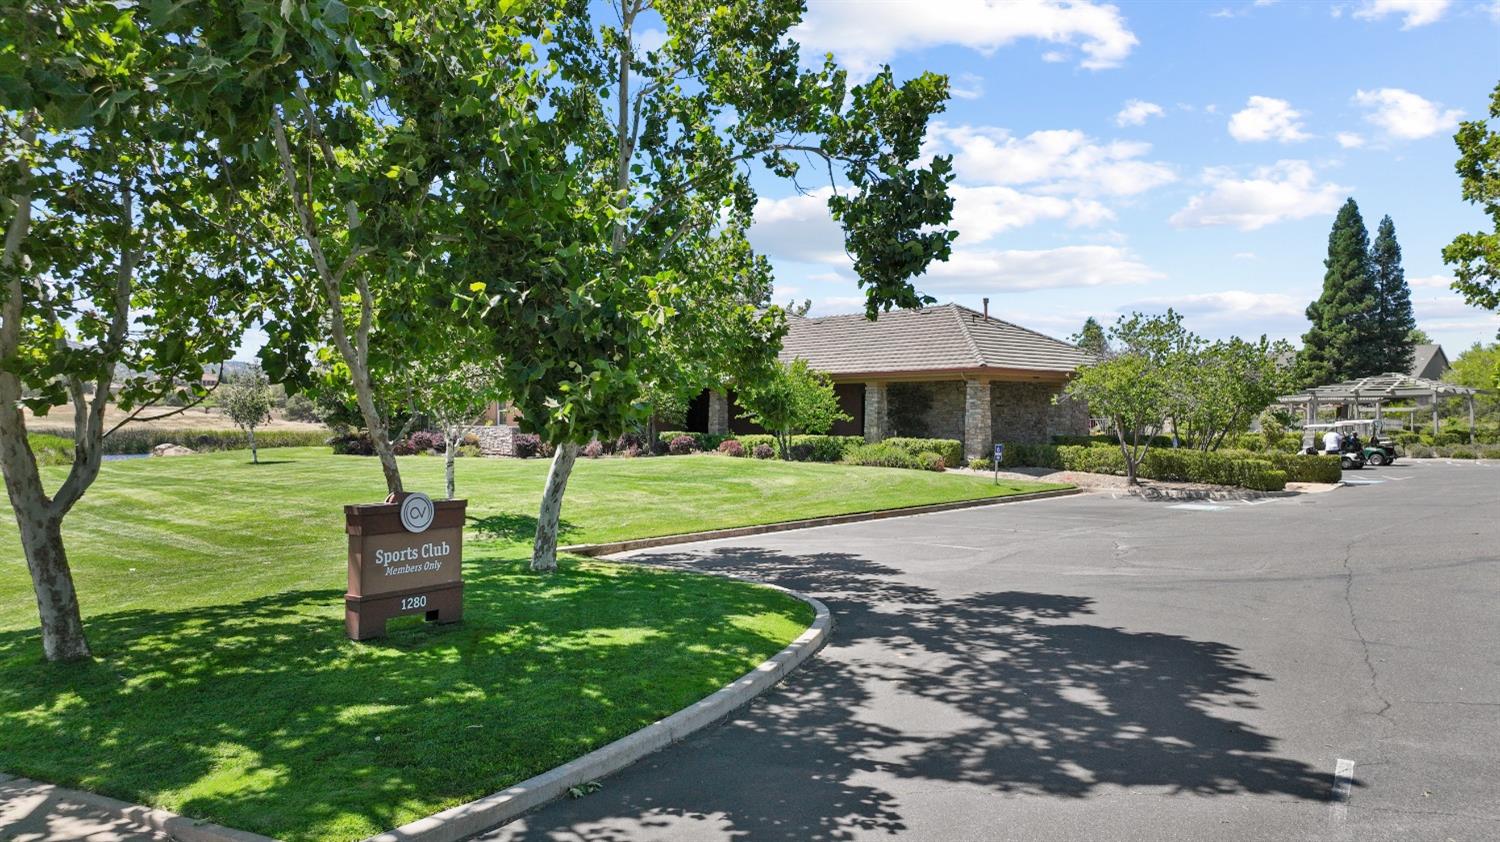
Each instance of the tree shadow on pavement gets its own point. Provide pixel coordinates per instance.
(1008, 691)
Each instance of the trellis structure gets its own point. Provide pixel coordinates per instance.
(1377, 390)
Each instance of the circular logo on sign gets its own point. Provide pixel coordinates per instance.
(416, 512)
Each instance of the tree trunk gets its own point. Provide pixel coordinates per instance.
(254, 456)
(56, 601)
(450, 444)
(544, 550)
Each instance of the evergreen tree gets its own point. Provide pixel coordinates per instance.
(1395, 320)
(1091, 337)
(1343, 341)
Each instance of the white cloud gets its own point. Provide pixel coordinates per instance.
(966, 86)
(1284, 190)
(980, 213)
(865, 35)
(1012, 270)
(1267, 118)
(1054, 56)
(1416, 12)
(1229, 305)
(1350, 140)
(1056, 161)
(1439, 281)
(799, 228)
(1136, 112)
(1245, 255)
(1405, 115)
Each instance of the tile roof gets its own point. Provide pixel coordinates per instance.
(944, 338)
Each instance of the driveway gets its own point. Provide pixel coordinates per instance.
(1098, 668)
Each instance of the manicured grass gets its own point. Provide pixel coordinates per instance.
(224, 687)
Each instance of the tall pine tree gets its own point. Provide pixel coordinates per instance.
(1396, 322)
(1344, 342)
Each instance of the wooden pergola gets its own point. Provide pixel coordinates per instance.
(1376, 391)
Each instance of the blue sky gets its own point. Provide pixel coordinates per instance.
(1146, 155)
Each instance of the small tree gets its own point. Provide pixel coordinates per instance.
(1134, 387)
(1091, 337)
(793, 399)
(1222, 386)
(247, 402)
(1475, 257)
(453, 391)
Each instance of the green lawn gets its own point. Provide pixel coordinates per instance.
(224, 687)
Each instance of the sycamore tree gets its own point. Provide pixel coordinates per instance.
(793, 399)
(1475, 256)
(452, 385)
(658, 119)
(1135, 385)
(247, 402)
(350, 166)
(118, 283)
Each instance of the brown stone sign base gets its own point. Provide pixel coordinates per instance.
(365, 616)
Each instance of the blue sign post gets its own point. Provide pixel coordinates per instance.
(999, 455)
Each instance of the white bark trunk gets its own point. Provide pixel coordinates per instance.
(254, 457)
(544, 550)
(450, 443)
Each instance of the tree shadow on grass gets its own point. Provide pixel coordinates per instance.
(262, 715)
(508, 526)
(1008, 691)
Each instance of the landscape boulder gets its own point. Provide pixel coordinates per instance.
(169, 449)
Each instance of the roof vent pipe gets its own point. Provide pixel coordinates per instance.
(986, 308)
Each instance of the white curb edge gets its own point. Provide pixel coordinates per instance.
(491, 811)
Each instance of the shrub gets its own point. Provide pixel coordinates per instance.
(593, 450)
(981, 463)
(800, 452)
(300, 408)
(403, 448)
(630, 440)
(731, 447)
(1254, 471)
(763, 451)
(51, 450)
(631, 452)
(682, 445)
(751, 440)
(469, 440)
(352, 444)
(1298, 467)
(825, 448)
(141, 439)
(952, 450)
(931, 461)
(1461, 453)
(526, 445)
(882, 454)
(469, 450)
(423, 441)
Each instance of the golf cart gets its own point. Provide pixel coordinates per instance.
(1355, 450)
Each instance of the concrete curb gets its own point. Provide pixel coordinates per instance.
(614, 547)
(1204, 494)
(494, 810)
(170, 824)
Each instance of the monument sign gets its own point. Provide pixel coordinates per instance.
(405, 557)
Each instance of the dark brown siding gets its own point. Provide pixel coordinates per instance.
(852, 401)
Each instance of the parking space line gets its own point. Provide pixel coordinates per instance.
(1343, 787)
(1348, 481)
(1198, 507)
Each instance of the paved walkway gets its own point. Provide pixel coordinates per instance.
(1315, 668)
(33, 812)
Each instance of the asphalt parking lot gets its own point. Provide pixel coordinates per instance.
(1323, 667)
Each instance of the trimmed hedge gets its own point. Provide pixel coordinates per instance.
(1177, 465)
(883, 454)
(1299, 467)
(804, 448)
(136, 440)
(952, 450)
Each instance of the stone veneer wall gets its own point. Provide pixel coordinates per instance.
(495, 440)
(1024, 412)
(945, 417)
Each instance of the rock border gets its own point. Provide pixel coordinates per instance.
(626, 546)
(492, 811)
(163, 822)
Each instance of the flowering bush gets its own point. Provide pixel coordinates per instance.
(682, 445)
(731, 447)
(594, 449)
(763, 451)
(526, 445)
(631, 452)
(403, 448)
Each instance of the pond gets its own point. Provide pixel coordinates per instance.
(115, 457)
